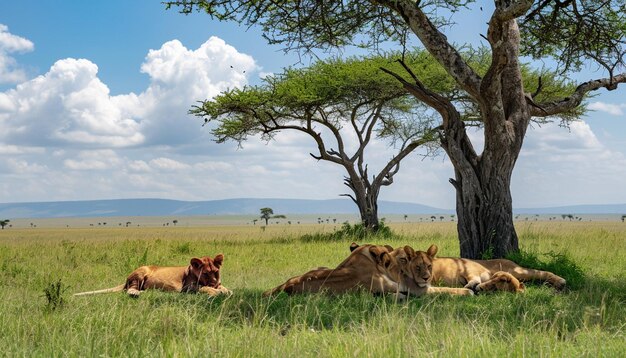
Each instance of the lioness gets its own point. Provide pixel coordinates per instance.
(452, 271)
(369, 267)
(425, 263)
(202, 275)
(416, 272)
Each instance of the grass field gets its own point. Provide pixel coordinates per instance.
(587, 321)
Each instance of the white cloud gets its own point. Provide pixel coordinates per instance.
(558, 166)
(94, 160)
(71, 106)
(613, 109)
(68, 105)
(24, 167)
(179, 78)
(10, 71)
(168, 164)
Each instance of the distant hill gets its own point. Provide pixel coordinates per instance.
(577, 209)
(163, 207)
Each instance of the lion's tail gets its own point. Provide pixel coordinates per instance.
(119, 288)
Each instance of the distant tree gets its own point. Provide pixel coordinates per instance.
(268, 213)
(441, 218)
(175, 221)
(433, 218)
(405, 217)
(4, 223)
(128, 223)
(254, 221)
(623, 217)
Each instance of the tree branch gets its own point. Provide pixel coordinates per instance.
(437, 44)
(574, 100)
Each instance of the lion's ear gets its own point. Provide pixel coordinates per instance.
(218, 260)
(409, 251)
(380, 256)
(432, 250)
(353, 246)
(196, 263)
(389, 248)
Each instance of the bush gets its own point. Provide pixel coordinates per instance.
(352, 232)
(54, 295)
(558, 263)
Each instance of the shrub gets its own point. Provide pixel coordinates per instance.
(558, 263)
(352, 232)
(54, 295)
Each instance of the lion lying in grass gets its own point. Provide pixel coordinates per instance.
(375, 268)
(202, 275)
(477, 275)
(452, 271)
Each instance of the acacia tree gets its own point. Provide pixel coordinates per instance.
(267, 214)
(335, 102)
(574, 32)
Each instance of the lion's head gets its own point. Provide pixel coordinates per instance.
(204, 271)
(416, 265)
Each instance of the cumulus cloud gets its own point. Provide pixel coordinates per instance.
(567, 166)
(93, 160)
(70, 106)
(613, 109)
(179, 77)
(10, 71)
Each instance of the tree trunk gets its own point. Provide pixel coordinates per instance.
(483, 195)
(485, 212)
(369, 213)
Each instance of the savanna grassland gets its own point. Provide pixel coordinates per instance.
(41, 268)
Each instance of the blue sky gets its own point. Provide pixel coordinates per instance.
(93, 102)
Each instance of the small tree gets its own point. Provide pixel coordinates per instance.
(5, 222)
(174, 222)
(267, 214)
(336, 102)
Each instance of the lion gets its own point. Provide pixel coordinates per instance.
(416, 272)
(202, 275)
(369, 267)
(452, 271)
(375, 268)
(479, 275)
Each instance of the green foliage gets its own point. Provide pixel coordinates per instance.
(330, 91)
(574, 32)
(352, 232)
(53, 292)
(560, 264)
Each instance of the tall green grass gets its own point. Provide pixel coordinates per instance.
(40, 268)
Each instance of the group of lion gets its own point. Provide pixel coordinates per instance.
(375, 268)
